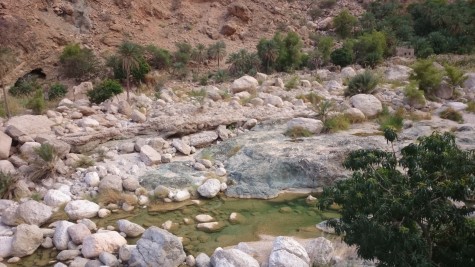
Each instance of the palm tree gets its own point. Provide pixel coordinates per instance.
(268, 52)
(129, 54)
(199, 54)
(7, 59)
(217, 51)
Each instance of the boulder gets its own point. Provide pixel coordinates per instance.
(69, 254)
(5, 144)
(125, 108)
(26, 240)
(79, 209)
(469, 83)
(233, 258)
(245, 83)
(444, 90)
(138, 116)
(34, 212)
(27, 150)
(78, 233)
(157, 247)
(94, 244)
(61, 148)
(312, 125)
(125, 252)
(181, 195)
(320, 251)
(7, 167)
(88, 122)
(288, 252)
(129, 228)
(108, 259)
(229, 28)
(149, 155)
(397, 73)
(202, 260)
(210, 188)
(274, 100)
(56, 198)
(348, 72)
(202, 218)
(240, 11)
(9, 215)
(181, 146)
(368, 104)
(82, 88)
(203, 138)
(61, 236)
(354, 115)
(92, 179)
(111, 182)
(6, 243)
(131, 183)
(210, 227)
(31, 125)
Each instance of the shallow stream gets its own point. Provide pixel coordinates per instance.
(289, 215)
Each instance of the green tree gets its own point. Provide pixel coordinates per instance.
(344, 23)
(158, 58)
(199, 54)
(401, 211)
(290, 51)
(268, 51)
(369, 49)
(183, 53)
(129, 55)
(105, 90)
(243, 62)
(217, 51)
(427, 75)
(7, 60)
(79, 63)
(342, 56)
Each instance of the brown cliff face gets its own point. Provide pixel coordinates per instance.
(38, 30)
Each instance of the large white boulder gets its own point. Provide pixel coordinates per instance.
(149, 155)
(31, 125)
(5, 144)
(78, 233)
(312, 125)
(34, 212)
(320, 251)
(397, 73)
(245, 83)
(348, 72)
(26, 240)
(61, 236)
(368, 104)
(56, 198)
(94, 244)
(288, 252)
(157, 247)
(233, 258)
(6, 243)
(129, 228)
(80, 209)
(210, 188)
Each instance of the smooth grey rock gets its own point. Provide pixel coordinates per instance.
(312, 125)
(181, 146)
(80, 209)
(288, 252)
(56, 198)
(157, 247)
(129, 228)
(78, 232)
(320, 251)
(347, 72)
(69, 254)
(61, 236)
(96, 243)
(131, 183)
(111, 182)
(245, 83)
(202, 139)
(78, 262)
(469, 83)
(274, 101)
(108, 259)
(26, 240)
(6, 243)
(232, 258)
(368, 104)
(125, 252)
(34, 212)
(10, 215)
(93, 263)
(5, 145)
(92, 179)
(203, 260)
(138, 116)
(210, 188)
(7, 167)
(149, 155)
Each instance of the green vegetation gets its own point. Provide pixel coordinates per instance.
(37, 103)
(470, 107)
(363, 83)
(217, 51)
(427, 75)
(320, 55)
(344, 24)
(243, 62)
(57, 90)
(311, 97)
(400, 211)
(370, 48)
(342, 56)
(393, 121)
(336, 123)
(297, 132)
(79, 63)
(414, 95)
(158, 58)
(268, 51)
(292, 83)
(7, 185)
(25, 86)
(456, 75)
(85, 161)
(451, 114)
(45, 164)
(105, 90)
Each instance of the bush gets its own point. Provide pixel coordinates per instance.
(471, 107)
(268, 52)
(427, 75)
(315, 12)
(158, 58)
(45, 164)
(312, 98)
(364, 83)
(297, 132)
(183, 53)
(37, 103)
(104, 91)
(220, 76)
(77, 62)
(57, 90)
(456, 76)
(337, 123)
(7, 185)
(290, 54)
(25, 86)
(452, 114)
(344, 23)
(292, 83)
(137, 71)
(370, 48)
(243, 62)
(414, 95)
(217, 51)
(393, 121)
(342, 57)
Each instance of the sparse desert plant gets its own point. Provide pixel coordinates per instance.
(323, 109)
(221, 76)
(344, 23)
(325, 4)
(414, 95)
(311, 97)
(243, 62)
(85, 161)
(292, 83)
(45, 164)
(388, 120)
(296, 132)
(427, 75)
(57, 90)
(456, 75)
(470, 107)
(110, 196)
(337, 123)
(104, 91)
(37, 103)
(7, 185)
(452, 114)
(198, 95)
(363, 83)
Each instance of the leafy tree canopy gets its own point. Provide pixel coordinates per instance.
(401, 211)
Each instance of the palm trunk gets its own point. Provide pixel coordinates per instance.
(7, 110)
(128, 86)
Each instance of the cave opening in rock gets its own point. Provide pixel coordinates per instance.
(32, 75)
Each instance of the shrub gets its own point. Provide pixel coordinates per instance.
(137, 71)
(290, 54)
(198, 95)
(220, 76)
(427, 75)
(158, 58)
(37, 103)
(7, 185)
(344, 23)
(414, 95)
(337, 123)
(342, 57)
(45, 165)
(243, 62)
(297, 132)
(268, 52)
(85, 162)
(183, 53)
(393, 121)
(57, 90)
(104, 91)
(25, 86)
(370, 48)
(315, 12)
(452, 114)
(363, 83)
(77, 62)
(311, 97)
(217, 51)
(292, 83)
(470, 107)
(456, 75)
